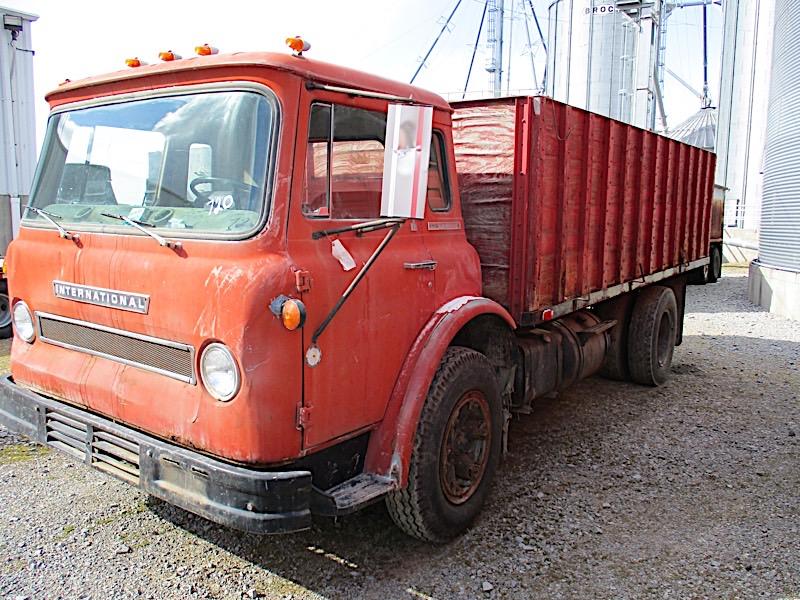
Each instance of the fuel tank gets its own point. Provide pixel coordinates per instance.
(556, 354)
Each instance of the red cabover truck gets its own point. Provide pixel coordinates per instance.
(213, 302)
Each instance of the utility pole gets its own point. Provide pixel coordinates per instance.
(494, 35)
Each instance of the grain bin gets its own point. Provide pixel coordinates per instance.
(601, 55)
(775, 275)
(744, 87)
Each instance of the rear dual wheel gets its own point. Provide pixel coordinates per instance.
(714, 265)
(456, 450)
(652, 332)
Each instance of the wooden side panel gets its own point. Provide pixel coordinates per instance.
(484, 148)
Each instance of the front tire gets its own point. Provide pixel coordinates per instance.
(5, 311)
(651, 335)
(456, 451)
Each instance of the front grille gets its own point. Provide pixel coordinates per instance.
(106, 451)
(66, 434)
(162, 356)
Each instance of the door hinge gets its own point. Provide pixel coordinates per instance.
(302, 281)
(303, 416)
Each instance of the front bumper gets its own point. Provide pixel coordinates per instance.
(246, 499)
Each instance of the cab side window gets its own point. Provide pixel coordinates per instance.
(438, 185)
(344, 162)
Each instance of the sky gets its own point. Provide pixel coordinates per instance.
(78, 38)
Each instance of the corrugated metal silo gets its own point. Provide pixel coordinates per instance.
(744, 87)
(775, 275)
(779, 240)
(601, 55)
(699, 129)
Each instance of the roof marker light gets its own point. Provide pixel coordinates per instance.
(168, 56)
(133, 62)
(205, 50)
(298, 45)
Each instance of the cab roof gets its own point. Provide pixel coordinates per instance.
(313, 70)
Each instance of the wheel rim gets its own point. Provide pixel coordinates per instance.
(664, 339)
(5, 311)
(465, 452)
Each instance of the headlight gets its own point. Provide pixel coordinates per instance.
(23, 321)
(219, 372)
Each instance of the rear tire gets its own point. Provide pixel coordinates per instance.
(5, 311)
(456, 451)
(714, 265)
(651, 335)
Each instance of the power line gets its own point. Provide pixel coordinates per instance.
(541, 39)
(530, 47)
(510, 48)
(446, 23)
(475, 48)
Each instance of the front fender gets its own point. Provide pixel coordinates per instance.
(391, 443)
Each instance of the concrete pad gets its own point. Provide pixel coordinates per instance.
(777, 290)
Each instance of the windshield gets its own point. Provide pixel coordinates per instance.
(193, 164)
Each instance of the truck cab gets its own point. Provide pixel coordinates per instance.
(172, 206)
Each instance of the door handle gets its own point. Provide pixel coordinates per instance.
(425, 264)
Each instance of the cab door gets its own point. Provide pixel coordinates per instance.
(337, 184)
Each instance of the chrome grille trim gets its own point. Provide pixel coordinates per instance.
(183, 354)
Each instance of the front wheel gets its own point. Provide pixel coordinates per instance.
(456, 450)
(5, 311)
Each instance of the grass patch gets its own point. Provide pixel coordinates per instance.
(5, 355)
(135, 540)
(13, 566)
(21, 453)
(66, 531)
(136, 508)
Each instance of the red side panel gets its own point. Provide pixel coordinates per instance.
(560, 202)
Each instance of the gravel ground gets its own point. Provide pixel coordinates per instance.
(610, 491)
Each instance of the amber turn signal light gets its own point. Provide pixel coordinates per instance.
(290, 311)
(293, 314)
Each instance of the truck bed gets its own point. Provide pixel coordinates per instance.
(567, 208)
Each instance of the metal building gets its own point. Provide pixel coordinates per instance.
(744, 87)
(602, 55)
(17, 121)
(775, 275)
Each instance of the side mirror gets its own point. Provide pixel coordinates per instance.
(405, 161)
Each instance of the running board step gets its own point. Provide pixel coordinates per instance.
(351, 495)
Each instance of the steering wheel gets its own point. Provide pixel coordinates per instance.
(219, 182)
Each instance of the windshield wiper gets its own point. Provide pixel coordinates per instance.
(140, 225)
(67, 235)
(360, 228)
